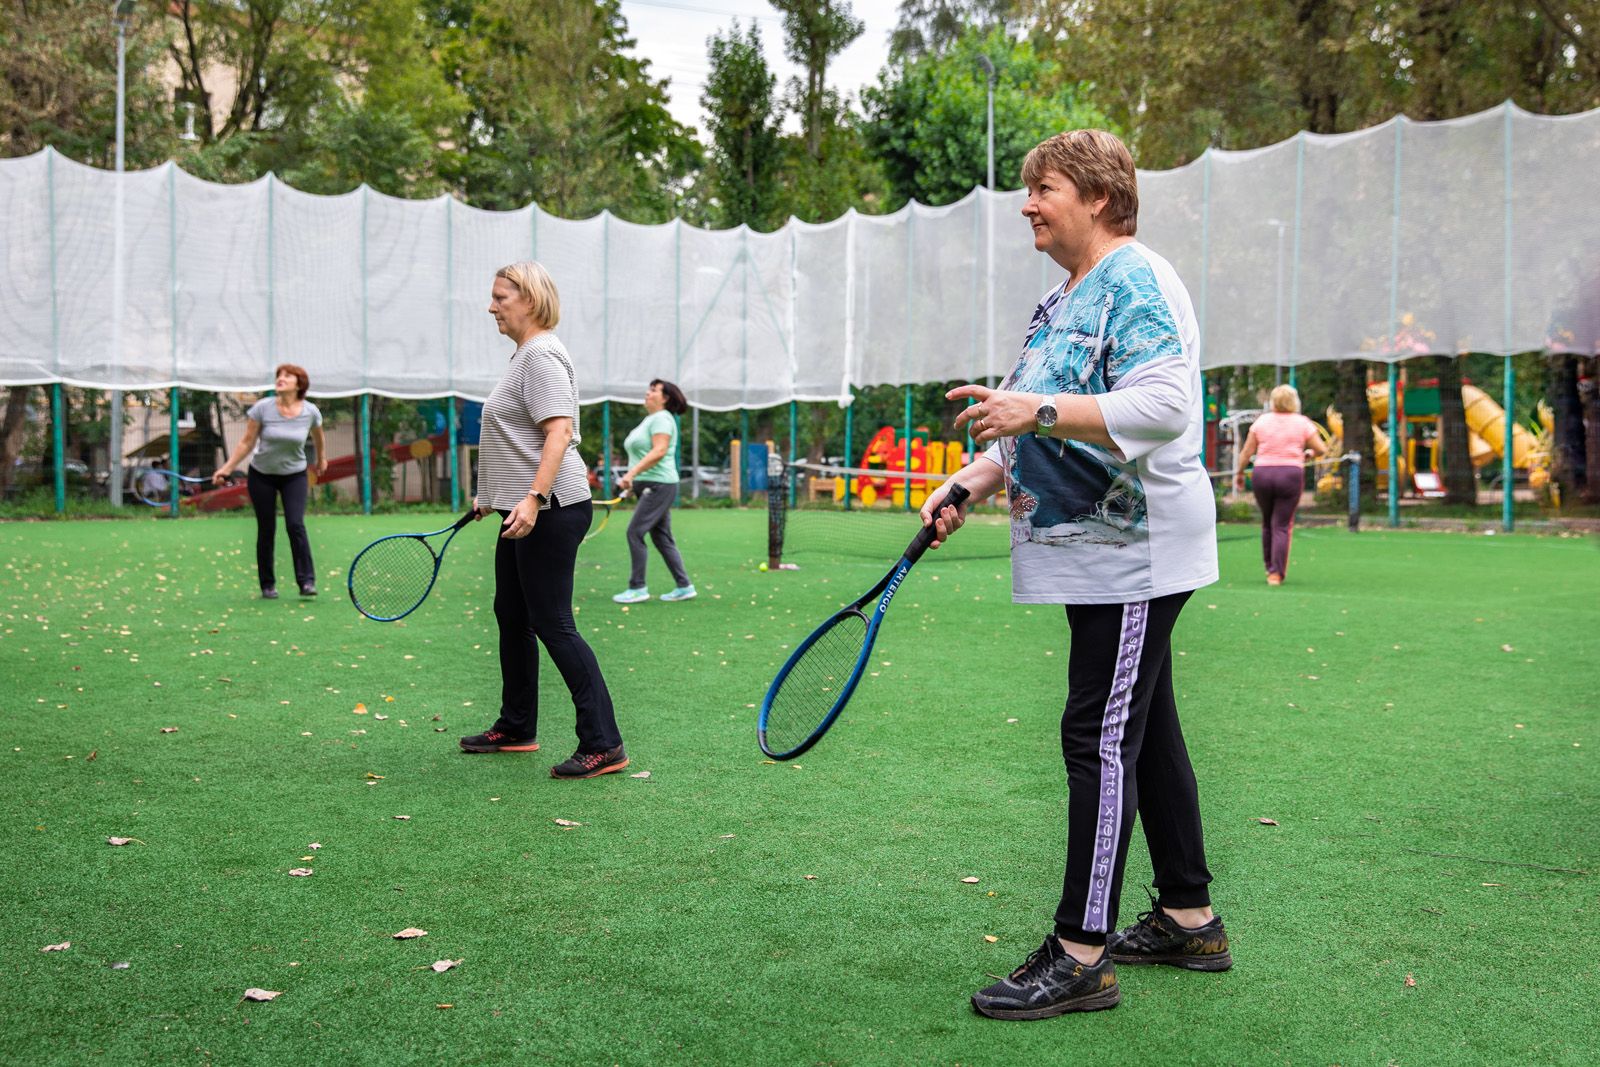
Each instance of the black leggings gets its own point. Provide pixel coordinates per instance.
(1125, 753)
(264, 491)
(533, 579)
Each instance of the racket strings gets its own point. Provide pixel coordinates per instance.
(392, 576)
(808, 693)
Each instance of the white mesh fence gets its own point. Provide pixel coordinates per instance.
(1478, 234)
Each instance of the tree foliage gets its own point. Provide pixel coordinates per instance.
(928, 120)
(744, 123)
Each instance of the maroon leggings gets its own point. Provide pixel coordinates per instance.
(1277, 492)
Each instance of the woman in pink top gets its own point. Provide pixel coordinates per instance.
(1279, 441)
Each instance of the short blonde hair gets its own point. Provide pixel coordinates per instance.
(1285, 399)
(535, 283)
(1098, 164)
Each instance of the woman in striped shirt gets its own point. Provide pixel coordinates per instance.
(530, 474)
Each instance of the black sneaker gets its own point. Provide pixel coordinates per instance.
(1050, 983)
(308, 588)
(590, 764)
(495, 741)
(269, 592)
(1157, 938)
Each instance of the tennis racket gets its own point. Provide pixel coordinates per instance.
(391, 577)
(603, 513)
(820, 676)
(153, 485)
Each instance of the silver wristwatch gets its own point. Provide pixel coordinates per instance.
(1046, 415)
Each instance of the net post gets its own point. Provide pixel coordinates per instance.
(777, 515)
(907, 443)
(794, 414)
(605, 438)
(1394, 445)
(1353, 485)
(1508, 456)
(452, 464)
(172, 449)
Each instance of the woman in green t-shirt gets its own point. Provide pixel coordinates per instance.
(653, 476)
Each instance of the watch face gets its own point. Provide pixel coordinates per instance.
(1045, 416)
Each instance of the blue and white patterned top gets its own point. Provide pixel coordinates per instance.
(1098, 525)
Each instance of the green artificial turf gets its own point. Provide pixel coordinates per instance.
(1416, 712)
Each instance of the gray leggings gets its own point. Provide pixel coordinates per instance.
(653, 516)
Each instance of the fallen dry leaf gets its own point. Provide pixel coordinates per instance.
(990, 938)
(374, 777)
(444, 1007)
(57, 948)
(301, 872)
(1410, 981)
(567, 822)
(970, 881)
(641, 774)
(93, 754)
(726, 837)
(441, 966)
(410, 932)
(262, 994)
(402, 818)
(122, 840)
(169, 729)
(811, 878)
(313, 845)
(1267, 822)
(380, 717)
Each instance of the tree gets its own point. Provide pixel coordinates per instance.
(60, 83)
(930, 27)
(814, 32)
(558, 111)
(927, 120)
(743, 122)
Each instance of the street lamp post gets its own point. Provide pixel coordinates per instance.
(989, 72)
(1277, 328)
(988, 204)
(122, 14)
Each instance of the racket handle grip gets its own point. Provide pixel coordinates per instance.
(957, 496)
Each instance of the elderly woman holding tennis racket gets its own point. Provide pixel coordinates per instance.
(275, 442)
(530, 473)
(1095, 436)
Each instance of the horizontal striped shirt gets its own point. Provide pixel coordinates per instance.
(540, 384)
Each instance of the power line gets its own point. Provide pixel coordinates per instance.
(702, 10)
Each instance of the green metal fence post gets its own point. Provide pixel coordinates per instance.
(453, 444)
(605, 459)
(365, 447)
(1394, 444)
(1507, 459)
(1508, 453)
(794, 414)
(58, 434)
(907, 444)
(849, 426)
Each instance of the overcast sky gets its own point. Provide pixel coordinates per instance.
(672, 34)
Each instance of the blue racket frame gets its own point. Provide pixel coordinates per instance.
(438, 561)
(883, 592)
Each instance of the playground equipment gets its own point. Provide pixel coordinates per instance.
(238, 496)
(1419, 407)
(887, 452)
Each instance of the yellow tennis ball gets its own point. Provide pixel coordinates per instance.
(762, 567)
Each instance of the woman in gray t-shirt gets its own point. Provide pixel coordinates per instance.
(275, 440)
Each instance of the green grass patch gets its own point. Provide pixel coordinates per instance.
(1416, 711)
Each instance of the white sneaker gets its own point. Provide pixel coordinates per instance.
(633, 596)
(683, 592)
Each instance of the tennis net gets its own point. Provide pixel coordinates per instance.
(860, 512)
